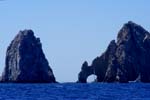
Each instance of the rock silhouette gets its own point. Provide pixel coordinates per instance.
(26, 62)
(127, 59)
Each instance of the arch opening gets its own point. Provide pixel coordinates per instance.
(91, 78)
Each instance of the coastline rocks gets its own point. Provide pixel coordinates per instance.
(26, 62)
(127, 59)
(86, 71)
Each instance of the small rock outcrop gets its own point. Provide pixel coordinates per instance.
(127, 59)
(26, 62)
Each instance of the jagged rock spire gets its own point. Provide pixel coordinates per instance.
(25, 60)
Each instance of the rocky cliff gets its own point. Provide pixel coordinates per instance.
(25, 61)
(127, 59)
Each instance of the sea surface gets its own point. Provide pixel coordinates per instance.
(75, 91)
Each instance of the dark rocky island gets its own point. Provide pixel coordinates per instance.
(26, 62)
(127, 59)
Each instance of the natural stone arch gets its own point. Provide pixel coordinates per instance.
(86, 71)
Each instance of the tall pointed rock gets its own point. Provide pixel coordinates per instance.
(26, 62)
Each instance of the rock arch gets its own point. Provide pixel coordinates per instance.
(86, 71)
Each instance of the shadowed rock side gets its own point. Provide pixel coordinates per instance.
(25, 61)
(126, 60)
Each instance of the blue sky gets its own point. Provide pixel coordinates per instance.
(71, 31)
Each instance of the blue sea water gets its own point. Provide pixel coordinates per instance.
(74, 91)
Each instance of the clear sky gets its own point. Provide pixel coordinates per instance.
(71, 31)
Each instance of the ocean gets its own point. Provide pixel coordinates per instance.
(75, 91)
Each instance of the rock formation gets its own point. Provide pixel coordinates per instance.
(127, 59)
(26, 62)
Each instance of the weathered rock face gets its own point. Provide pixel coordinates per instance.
(127, 59)
(25, 61)
(86, 71)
